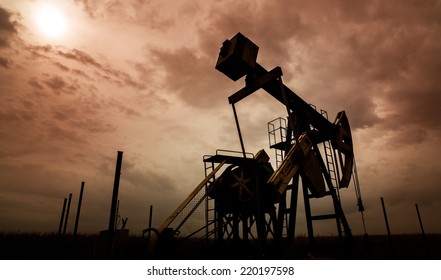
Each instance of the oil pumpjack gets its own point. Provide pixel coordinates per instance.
(251, 200)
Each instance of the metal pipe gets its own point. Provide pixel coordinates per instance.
(419, 218)
(114, 202)
(62, 217)
(387, 226)
(385, 219)
(115, 192)
(117, 216)
(308, 215)
(77, 219)
(150, 217)
(238, 130)
(67, 213)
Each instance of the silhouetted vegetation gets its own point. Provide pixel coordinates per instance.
(42, 246)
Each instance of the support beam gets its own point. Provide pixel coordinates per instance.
(150, 218)
(178, 210)
(67, 214)
(386, 221)
(77, 219)
(62, 217)
(293, 208)
(238, 131)
(308, 214)
(419, 219)
(254, 85)
(385, 216)
(113, 207)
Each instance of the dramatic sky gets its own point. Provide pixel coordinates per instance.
(82, 79)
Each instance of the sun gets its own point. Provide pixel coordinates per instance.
(51, 21)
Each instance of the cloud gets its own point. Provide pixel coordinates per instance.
(39, 51)
(104, 71)
(56, 83)
(149, 179)
(8, 27)
(5, 63)
(81, 57)
(190, 77)
(379, 61)
(144, 13)
(35, 84)
(352, 53)
(62, 66)
(88, 6)
(87, 65)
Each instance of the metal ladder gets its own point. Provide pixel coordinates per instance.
(277, 136)
(333, 172)
(277, 130)
(210, 210)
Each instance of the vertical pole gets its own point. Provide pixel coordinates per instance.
(260, 218)
(62, 217)
(235, 226)
(278, 229)
(385, 217)
(308, 214)
(238, 130)
(67, 213)
(150, 218)
(78, 209)
(291, 121)
(419, 218)
(245, 230)
(293, 209)
(117, 215)
(114, 202)
(387, 223)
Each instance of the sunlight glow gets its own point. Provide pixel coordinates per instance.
(51, 21)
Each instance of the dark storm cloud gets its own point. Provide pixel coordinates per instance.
(378, 60)
(353, 52)
(149, 179)
(190, 77)
(8, 27)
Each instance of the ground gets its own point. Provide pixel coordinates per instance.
(37, 246)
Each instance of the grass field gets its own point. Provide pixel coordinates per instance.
(40, 246)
